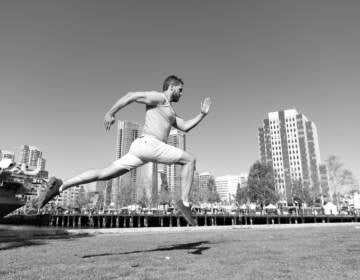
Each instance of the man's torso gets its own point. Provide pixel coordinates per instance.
(159, 119)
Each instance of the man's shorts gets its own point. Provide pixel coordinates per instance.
(149, 149)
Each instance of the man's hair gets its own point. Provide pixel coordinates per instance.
(172, 80)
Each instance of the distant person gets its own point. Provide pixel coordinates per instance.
(151, 146)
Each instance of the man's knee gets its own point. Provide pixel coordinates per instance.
(111, 172)
(193, 160)
(103, 175)
(188, 159)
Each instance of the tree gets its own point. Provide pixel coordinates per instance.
(144, 200)
(240, 196)
(300, 193)
(32, 206)
(212, 195)
(194, 192)
(83, 201)
(126, 193)
(261, 184)
(165, 195)
(341, 180)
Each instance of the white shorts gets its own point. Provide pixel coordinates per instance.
(149, 149)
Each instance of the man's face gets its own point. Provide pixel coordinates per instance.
(177, 93)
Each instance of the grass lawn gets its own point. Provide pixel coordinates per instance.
(314, 252)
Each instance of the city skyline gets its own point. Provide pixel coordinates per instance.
(65, 64)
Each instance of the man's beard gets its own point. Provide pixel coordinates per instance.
(175, 97)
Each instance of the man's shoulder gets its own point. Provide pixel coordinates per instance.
(155, 97)
(154, 93)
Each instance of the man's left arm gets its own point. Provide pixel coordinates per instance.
(190, 124)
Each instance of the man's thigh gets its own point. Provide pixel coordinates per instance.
(128, 161)
(122, 165)
(169, 155)
(150, 149)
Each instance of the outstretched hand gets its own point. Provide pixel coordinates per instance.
(205, 106)
(108, 121)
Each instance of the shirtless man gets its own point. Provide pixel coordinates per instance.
(151, 146)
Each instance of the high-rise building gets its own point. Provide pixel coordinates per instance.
(204, 179)
(288, 142)
(194, 191)
(41, 163)
(8, 155)
(127, 132)
(147, 183)
(100, 186)
(205, 184)
(32, 157)
(24, 154)
(173, 171)
(71, 197)
(226, 186)
(108, 192)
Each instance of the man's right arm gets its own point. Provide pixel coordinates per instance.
(147, 97)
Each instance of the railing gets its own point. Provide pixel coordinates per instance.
(142, 220)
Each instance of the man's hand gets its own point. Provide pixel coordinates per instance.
(108, 121)
(205, 106)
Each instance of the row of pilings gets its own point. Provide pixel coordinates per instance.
(133, 221)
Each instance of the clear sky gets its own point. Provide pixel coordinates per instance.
(64, 63)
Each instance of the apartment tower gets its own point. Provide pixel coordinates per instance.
(288, 142)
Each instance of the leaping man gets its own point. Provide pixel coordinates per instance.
(151, 146)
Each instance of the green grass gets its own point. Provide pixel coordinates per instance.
(331, 252)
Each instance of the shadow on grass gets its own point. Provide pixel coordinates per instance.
(196, 248)
(11, 238)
